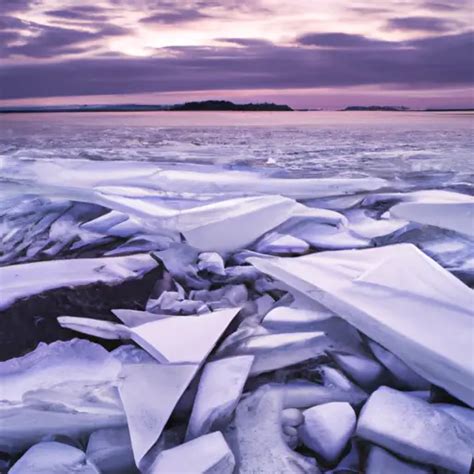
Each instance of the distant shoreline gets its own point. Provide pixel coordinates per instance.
(124, 109)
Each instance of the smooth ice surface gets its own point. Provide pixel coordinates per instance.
(416, 430)
(219, 390)
(381, 461)
(208, 454)
(327, 429)
(54, 458)
(284, 318)
(24, 280)
(392, 294)
(181, 339)
(149, 393)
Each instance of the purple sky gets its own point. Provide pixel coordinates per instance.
(307, 53)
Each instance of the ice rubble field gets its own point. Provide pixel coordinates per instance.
(188, 319)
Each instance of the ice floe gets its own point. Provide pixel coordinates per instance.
(24, 280)
(392, 294)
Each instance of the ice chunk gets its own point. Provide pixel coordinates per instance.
(181, 339)
(335, 387)
(392, 294)
(278, 244)
(149, 393)
(208, 454)
(52, 457)
(24, 280)
(274, 351)
(462, 414)
(102, 224)
(51, 364)
(284, 318)
(19, 432)
(110, 450)
(365, 371)
(327, 429)
(198, 334)
(256, 437)
(95, 327)
(415, 430)
(403, 375)
(364, 226)
(220, 388)
(236, 223)
(323, 236)
(451, 211)
(134, 317)
(212, 262)
(380, 461)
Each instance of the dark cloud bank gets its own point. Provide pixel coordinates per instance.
(323, 61)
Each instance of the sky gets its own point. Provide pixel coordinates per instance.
(306, 53)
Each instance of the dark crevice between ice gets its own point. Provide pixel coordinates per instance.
(32, 320)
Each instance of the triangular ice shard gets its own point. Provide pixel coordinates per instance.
(399, 297)
(181, 339)
(149, 393)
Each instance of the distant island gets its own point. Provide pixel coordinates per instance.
(206, 105)
(216, 105)
(376, 108)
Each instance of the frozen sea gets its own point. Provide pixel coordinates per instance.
(421, 149)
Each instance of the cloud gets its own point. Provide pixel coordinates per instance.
(81, 13)
(441, 6)
(175, 16)
(341, 40)
(46, 41)
(428, 63)
(421, 23)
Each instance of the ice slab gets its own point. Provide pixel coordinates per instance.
(135, 317)
(274, 351)
(149, 393)
(111, 451)
(328, 237)
(415, 430)
(392, 294)
(168, 180)
(286, 318)
(364, 371)
(327, 429)
(403, 376)
(54, 458)
(380, 461)
(18, 432)
(24, 280)
(208, 454)
(257, 440)
(219, 391)
(181, 339)
(446, 210)
(51, 364)
(335, 387)
(280, 244)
